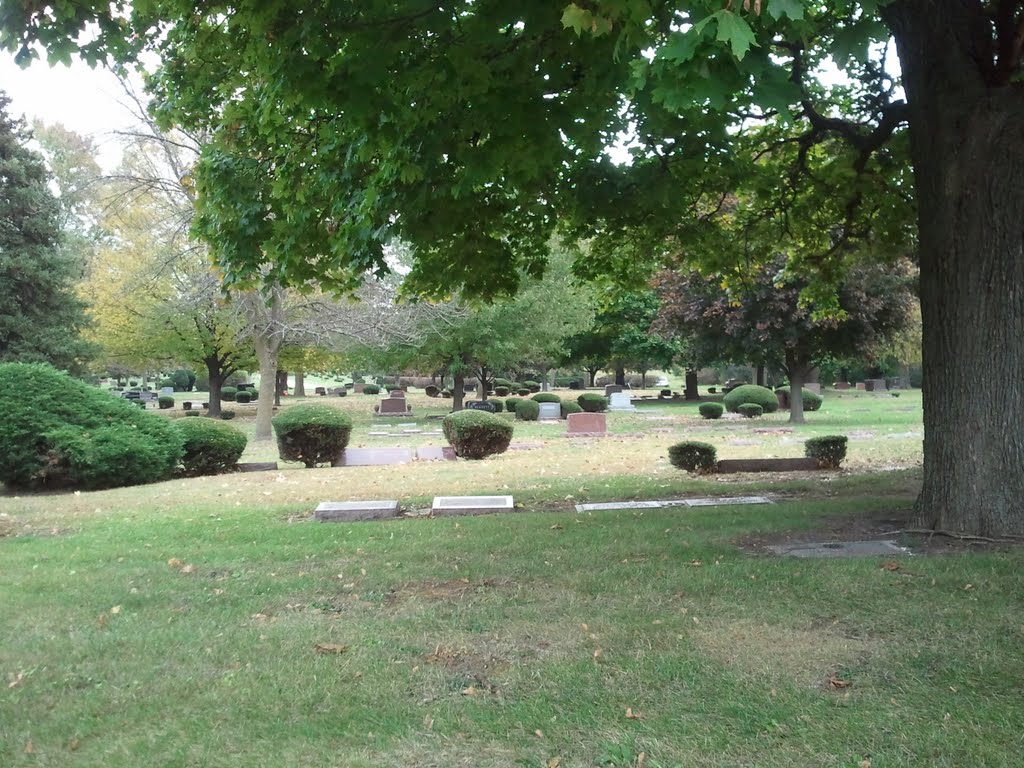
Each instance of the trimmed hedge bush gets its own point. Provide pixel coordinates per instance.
(502, 391)
(751, 393)
(497, 381)
(693, 456)
(227, 415)
(476, 434)
(210, 446)
(165, 402)
(750, 410)
(829, 450)
(69, 434)
(523, 391)
(244, 396)
(593, 402)
(431, 390)
(446, 393)
(228, 394)
(499, 405)
(527, 410)
(533, 386)
(511, 402)
(312, 434)
(812, 400)
(546, 397)
(711, 410)
(371, 389)
(570, 407)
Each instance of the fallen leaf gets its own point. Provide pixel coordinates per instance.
(865, 763)
(471, 691)
(330, 648)
(101, 622)
(638, 763)
(16, 680)
(187, 568)
(696, 563)
(115, 610)
(890, 565)
(834, 683)
(73, 745)
(539, 733)
(631, 715)
(29, 748)
(554, 762)
(968, 586)
(597, 655)
(175, 563)
(556, 527)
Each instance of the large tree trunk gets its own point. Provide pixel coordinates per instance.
(620, 375)
(459, 390)
(967, 140)
(300, 384)
(593, 375)
(759, 375)
(217, 377)
(691, 393)
(797, 371)
(266, 355)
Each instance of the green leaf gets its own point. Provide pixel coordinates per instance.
(792, 8)
(734, 30)
(576, 18)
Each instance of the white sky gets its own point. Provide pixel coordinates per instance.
(84, 100)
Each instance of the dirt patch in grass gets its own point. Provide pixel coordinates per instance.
(873, 524)
(452, 589)
(804, 657)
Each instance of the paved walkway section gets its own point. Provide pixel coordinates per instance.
(702, 502)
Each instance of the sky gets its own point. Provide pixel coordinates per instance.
(84, 100)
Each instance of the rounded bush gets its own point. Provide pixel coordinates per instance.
(228, 394)
(523, 391)
(312, 434)
(751, 393)
(527, 410)
(431, 390)
(69, 434)
(711, 410)
(476, 434)
(187, 405)
(166, 383)
(371, 389)
(665, 393)
(693, 456)
(446, 393)
(510, 403)
(533, 386)
(592, 402)
(812, 400)
(750, 410)
(244, 396)
(829, 450)
(499, 405)
(165, 402)
(568, 406)
(497, 381)
(502, 391)
(210, 446)
(227, 415)
(546, 397)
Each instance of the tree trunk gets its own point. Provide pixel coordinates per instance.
(968, 156)
(217, 377)
(280, 385)
(797, 371)
(593, 375)
(544, 378)
(300, 384)
(620, 375)
(690, 393)
(459, 390)
(482, 376)
(266, 355)
(759, 375)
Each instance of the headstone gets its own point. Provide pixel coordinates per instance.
(875, 385)
(611, 389)
(397, 393)
(435, 453)
(550, 412)
(842, 385)
(347, 511)
(393, 406)
(480, 405)
(470, 505)
(701, 502)
(813, 386)
(166, 390)
(358, 388)
(861, 386)
(372, 457)
(586, 424)
(320, 391)
(146, 396)
(620, 401)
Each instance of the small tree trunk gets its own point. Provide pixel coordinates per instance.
(797, 370)
(544, 378)
(690, 393)
(300, 384)
(266, 355)
(593, 375)
(482, 376)
(759, 376)
(280, 385)
(217, 377)
(459, 390)
(620, 375)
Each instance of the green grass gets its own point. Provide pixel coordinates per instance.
(177, 624)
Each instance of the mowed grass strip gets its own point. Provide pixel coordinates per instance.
(226, 636)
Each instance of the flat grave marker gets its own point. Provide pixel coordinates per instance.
(348, 511)
(444, 506)
(701, 502)
(841, 549)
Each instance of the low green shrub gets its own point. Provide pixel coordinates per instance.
(312, 434)
(227, 415)
(499, 405)
(228, 394)
(829, 450)
(501, 391)
(476, 434)
(166, 383)
(812, 400)
(568, 406)
(165, 402)
(593, 402)
(210, 446)
(511, 402)
(431, 390)
(750, 410)
(86, 453)
(711, 410)
(522, 391)
(244, 396)
(751, 393)
(533, 386)
(497, 381)
(371, 389)
(527, 410)
(693, 456)
(546, 397)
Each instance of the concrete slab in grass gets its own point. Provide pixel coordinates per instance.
(703, 502)
(349, 511)
(257, 466)
(444, 506)
(842, 549)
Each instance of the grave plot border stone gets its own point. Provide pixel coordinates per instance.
(842, 549)
(350, 511)
(730, 466)
(446, 506)
(700, 502)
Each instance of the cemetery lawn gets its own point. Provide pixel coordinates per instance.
(207, 622)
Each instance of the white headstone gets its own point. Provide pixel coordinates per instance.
(550, 411)
(470, 505)
(347, 511)
(620, 401)
(166, 390)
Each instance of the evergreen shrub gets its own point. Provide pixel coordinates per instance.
(693, 456)
(371, 389)
(228, 394)
(751, 393)
(593, 402)
(165, 402)
(546, 397)
(568, 406)
(711, 410)
(812, 400)
(829, 450)
(527, 410)
(476, 434)
(210, 447)
(750, 410)
(312, 434)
